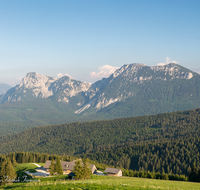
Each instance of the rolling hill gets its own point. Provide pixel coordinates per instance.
(77, 138)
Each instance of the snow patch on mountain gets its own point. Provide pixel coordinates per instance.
(105, 102)
(82, 109)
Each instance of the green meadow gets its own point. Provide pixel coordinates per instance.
(104, 182)
(61, 182)
(21, 168)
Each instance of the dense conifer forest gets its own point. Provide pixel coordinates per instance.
(177, 156)
(85, 137)
(165, 143)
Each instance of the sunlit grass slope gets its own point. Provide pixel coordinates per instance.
(105, 182)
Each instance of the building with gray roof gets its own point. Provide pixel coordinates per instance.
(113, 172)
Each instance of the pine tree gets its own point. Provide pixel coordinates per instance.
(198, 177)
(3, 172)
(52, 167)
(78, 170)
(58, 167)
(10, 170)
(34, 158)
(86, 169)
(82, 170)
(193, 175)
(7, 172)
(14, 160)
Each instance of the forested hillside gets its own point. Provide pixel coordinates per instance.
(85, 137)
(35, 112)
(176, 156)
(12, 128)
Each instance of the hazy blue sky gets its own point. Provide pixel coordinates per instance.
(88, 39)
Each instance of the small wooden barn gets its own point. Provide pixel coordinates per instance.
(93, 168)
(113, 172)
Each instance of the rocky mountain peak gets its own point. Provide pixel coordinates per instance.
(38, 83)
(31, 74)
(124, 83)
(173, 70)
(133, 67)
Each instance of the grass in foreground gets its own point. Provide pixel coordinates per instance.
(107, 182)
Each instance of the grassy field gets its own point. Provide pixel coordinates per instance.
(27, 167)
(60, 182)
(106, 182)
(21, 168)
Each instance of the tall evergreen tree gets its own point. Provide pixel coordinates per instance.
(3, 172)
(78, 170)
(7, 172)
(86, 169)
(52, 167)
(13, 160)
(10, 170)
(193, 175)
(58, 167)
(198, 177)
(82, 170)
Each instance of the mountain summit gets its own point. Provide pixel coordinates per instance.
(132, 90)
(131, 80)
(42, 86)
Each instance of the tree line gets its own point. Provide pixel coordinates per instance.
(32, 157)
(81, 170)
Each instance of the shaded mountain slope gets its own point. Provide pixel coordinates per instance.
(155, 97)
(77, 138)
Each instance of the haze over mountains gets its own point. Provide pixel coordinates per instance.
(132, 90)
(4, 87)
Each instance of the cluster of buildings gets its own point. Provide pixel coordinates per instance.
(68, 168)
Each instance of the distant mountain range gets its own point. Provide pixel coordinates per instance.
(4, 88)
(132, 90)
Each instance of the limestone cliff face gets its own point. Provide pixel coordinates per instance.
(38, 84)
(124, 82)
(41, 86)
(127, 82)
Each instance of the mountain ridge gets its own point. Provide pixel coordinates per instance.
(44, 86)
(132, 90)
(130, 72)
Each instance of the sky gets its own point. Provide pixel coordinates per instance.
(90, 39)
